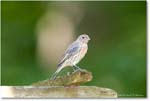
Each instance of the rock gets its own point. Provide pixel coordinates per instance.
(62, 92)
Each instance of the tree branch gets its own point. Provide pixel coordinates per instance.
(75, 78)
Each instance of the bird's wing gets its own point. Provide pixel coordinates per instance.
(71, 50)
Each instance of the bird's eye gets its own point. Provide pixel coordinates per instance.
(83, 37)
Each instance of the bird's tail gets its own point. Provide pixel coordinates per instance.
(56, 73)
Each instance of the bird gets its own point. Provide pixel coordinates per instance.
(73, 54)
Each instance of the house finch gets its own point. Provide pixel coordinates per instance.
(74, 53)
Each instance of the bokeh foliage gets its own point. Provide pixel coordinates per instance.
(117, 50)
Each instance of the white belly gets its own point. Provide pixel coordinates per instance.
(76, 58)
(81, 54)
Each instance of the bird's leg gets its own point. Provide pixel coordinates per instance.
(73, 67)
(77, 68)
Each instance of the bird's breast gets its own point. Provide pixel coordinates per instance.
(83, 50)
(80, 54)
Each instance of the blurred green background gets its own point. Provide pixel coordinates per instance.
(117, 50)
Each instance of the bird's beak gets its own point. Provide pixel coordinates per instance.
(89, 39)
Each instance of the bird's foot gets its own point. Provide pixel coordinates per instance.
(79, 69)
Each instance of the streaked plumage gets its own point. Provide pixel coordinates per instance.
(74, 53)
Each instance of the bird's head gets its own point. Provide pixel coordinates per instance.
(84, 38)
